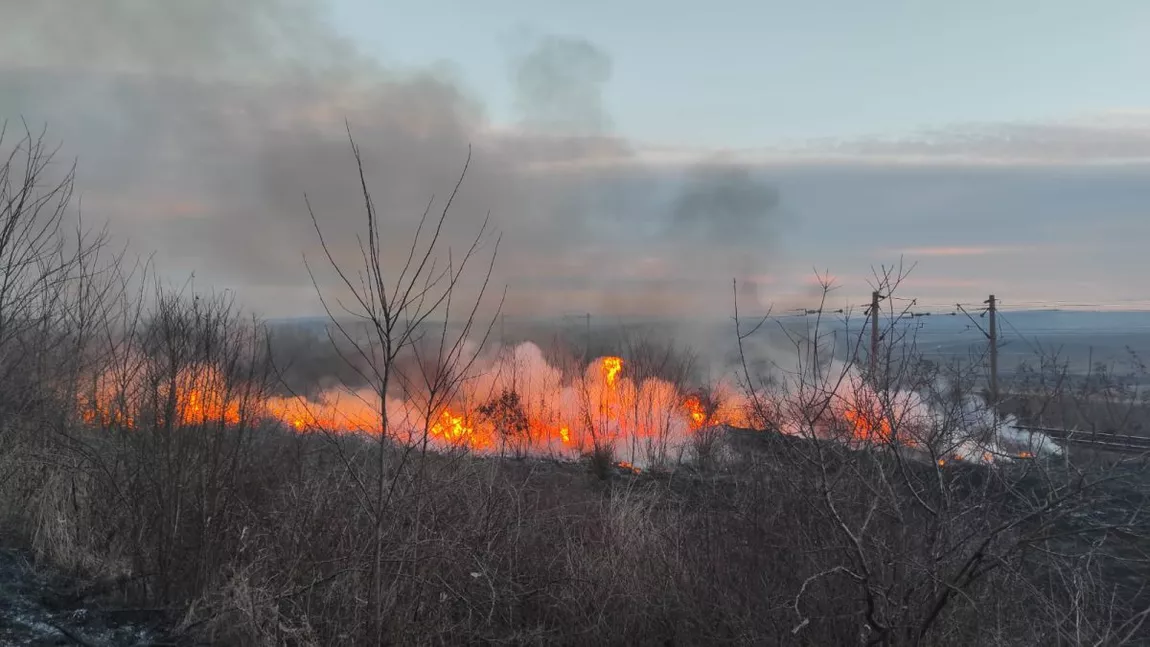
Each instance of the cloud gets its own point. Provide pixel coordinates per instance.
(1106, 138)
(965, 250)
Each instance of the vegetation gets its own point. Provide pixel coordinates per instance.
(238, 530)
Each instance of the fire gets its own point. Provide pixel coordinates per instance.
(624, 465)
(867, 426)
(519, 404)
(696, 411)
(197, 395)
(457, 430)
(611, 368)
(335, 414)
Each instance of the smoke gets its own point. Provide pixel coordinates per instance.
(559, 86)
(200, 126)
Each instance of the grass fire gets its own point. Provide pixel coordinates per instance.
(396, 476)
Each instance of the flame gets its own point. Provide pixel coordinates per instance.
(197, 395)
(458, 430)
(539, 412)
(867, 427)
(611, 368)
(518, 403)
(624, 465)
(695, 411)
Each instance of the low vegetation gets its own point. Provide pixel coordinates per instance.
(237, 529)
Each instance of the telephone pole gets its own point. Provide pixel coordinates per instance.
(874, 296)
(993, 335)
(587, 343)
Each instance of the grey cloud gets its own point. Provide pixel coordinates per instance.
(1106, 139)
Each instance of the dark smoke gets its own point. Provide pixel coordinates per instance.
(726, 204)
(560, 86)
(199, 126)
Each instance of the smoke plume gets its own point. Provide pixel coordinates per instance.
(200, 126)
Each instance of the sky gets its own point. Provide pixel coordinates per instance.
(747, 73)
(636, 157)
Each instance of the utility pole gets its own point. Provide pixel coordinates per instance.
(874, 296)
(993, 335)
(587, 343)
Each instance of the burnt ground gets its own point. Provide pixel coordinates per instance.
(41, 607)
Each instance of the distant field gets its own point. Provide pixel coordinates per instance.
(1075, 413)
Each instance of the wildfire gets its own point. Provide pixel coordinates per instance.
(611, 368)
(521, 405)
(197, 395)
(695, 411)
(867, 427)
(532, 410)
(456, 430)
(624, 465)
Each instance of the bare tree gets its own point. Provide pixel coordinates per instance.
(922, 537)
(399, 314)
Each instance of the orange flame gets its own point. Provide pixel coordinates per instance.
(541, 412)
(696, 412)
(201, 396)
(457, 430)
(611, 368)
(624, 465)
(867, 427)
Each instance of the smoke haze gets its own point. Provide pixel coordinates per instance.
(200, 126)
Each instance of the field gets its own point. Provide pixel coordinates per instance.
(175, 471)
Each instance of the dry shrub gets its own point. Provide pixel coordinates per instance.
(601, 460)
(255, 536)
(242, 612)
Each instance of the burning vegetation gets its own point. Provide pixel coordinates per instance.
(517, 404)
(251, 514)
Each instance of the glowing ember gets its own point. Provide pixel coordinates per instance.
(624, 465)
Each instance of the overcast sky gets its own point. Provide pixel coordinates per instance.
(636, 155)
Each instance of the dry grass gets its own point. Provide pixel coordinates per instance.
(245, 534)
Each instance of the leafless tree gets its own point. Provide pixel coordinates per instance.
(399, 313)
(923, 540)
